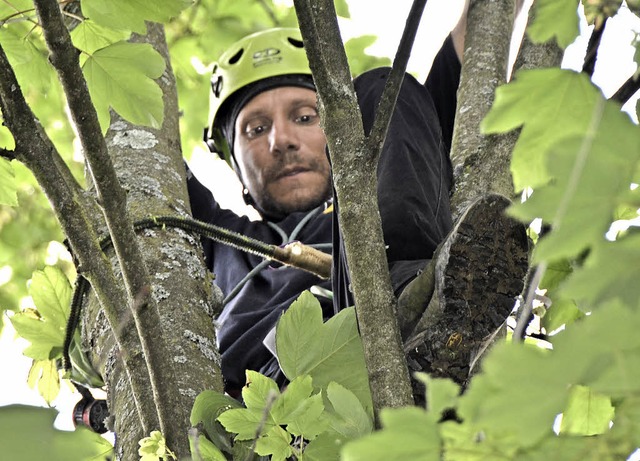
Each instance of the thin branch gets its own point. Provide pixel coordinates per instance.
(37, 152)
(592, 49)
(354, 173)
(111, 196)
(627, 90)
(396, 76)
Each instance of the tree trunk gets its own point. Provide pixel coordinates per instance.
(150, 167)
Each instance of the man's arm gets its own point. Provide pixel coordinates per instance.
(459, 31)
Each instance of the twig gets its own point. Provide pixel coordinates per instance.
(395, 78)
(592, 49)
(627, 90)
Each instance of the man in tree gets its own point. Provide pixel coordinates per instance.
(264, 122)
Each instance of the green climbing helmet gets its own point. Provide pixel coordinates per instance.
(259, 56)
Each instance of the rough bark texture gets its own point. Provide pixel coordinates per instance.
(537, 55)
(481, 163)
(354, 172)
(150, 167)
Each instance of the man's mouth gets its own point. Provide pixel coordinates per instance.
(292, 171)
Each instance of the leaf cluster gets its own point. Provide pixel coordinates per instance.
(322, 406)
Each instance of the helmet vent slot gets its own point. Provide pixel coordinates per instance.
(236, 57)
(296, 43)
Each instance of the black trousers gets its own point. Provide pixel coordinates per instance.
(414, 180)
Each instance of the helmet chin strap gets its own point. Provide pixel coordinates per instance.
(247, 197)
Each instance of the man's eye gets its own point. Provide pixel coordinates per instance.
(307, 118)
(252, 132)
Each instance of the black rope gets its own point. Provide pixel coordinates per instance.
(217, 233)
(79, 290)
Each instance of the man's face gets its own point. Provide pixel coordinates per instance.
(280, 150)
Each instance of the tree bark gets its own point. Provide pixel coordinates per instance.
(150, 167)
(481, 163)
(354, 164)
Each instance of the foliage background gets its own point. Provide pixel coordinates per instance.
(183, 39)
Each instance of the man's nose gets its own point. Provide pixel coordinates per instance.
(283, 137)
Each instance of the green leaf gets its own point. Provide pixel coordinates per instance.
(605, 274)
(508, 382)
(27, 56)
(208, 406)
(6, 138)
(292, 399)
(82, 371)
(260, 392)
(51, 293)
(307, 422)
(48, 379)
(325, 447)
(329, 352)
(120, 76)
(471, 443)
(8, 194)
(203, 449)
(275, 442)
(15, 6)
(587, 412)
(153, 447)
(349, 417)
(27, 433)
(359, 60)
(132, 14)
(408, 433)
(555, 274)
(243, 421)
(555, 19)
(442, 394)
(342, 9)
(590, 180)
(259, 395)
(89, 36)
(549, 104)
(561, 312)
(45, 337)
(523, 388)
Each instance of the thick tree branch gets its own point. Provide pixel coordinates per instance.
(354, 172)
(481, 163)
(37, 152)
(112, 198)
